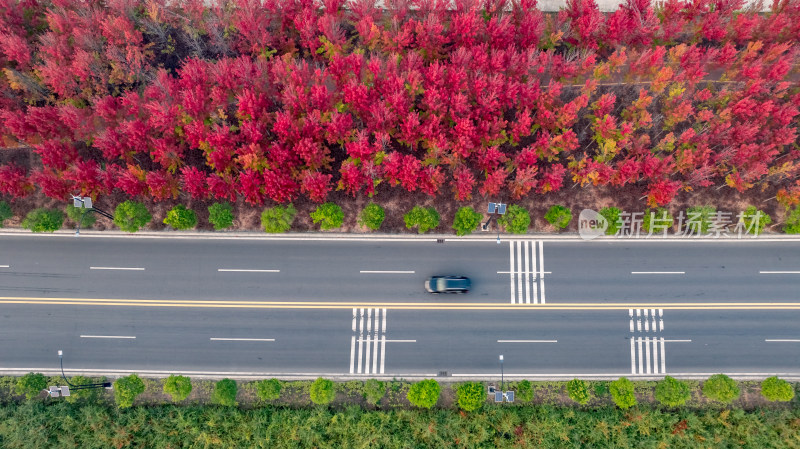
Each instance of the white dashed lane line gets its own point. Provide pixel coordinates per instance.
(5, 266)
(118, 268)
(385, 272)
(527, 341)
(783, 340)
(124, 337)
(240, 339)
(246, 270)
(779, 272)
(658, 272)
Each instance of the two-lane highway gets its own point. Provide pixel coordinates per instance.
(357, 307)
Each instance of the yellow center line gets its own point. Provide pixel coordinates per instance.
(401, 305)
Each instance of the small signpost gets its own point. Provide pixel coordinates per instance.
(85, 203)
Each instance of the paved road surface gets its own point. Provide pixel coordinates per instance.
(552, 308)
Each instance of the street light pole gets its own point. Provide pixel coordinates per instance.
(78, 387)
(501, 374)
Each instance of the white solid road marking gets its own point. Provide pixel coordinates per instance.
(633, 356)
(541, 269)
(527, 268)
(240, 339)
(5, 266)
(779, 272)
(117, 268)
(658, 272)
(520, 245)
(386, 272)
(511, 270)
(371, 341)
(127, 337)
(784, 340)
(241, 270)
(663, 358)
(527, 341)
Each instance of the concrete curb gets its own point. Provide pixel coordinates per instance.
(217, 375)
(483, 237)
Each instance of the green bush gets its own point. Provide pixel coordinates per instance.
(179, 387)
(611, 214)
(792, 225)
(471, 396)
(425, 218)
(775, 389)
(372, 216)
(466, 220)
(268, 389)
(131, 216)
(720, 387)
(5, 212)
(374, 391)
(558, 216)
(179, 217)
(600, 388)
(225, 393)
(126, 389)
(578, 391)
(322, 391)
(43, 220)
(672, 392)
(516, 220)
(31, 385)
(525, 391)
(278, 219)
(424, 393)
(622, 393)
(702, 214)
(89, 394)
(220, 215)
(328, 215)
(74, 214)
(659, 218)
(749, 219)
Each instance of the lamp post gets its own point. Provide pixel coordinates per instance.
(498, 208)
(76, 387)
(501, 374)
(85, 203)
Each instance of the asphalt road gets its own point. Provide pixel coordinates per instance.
(358, 307)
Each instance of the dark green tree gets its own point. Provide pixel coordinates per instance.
(5, 212)
(179, 387)
(126, 389)
(558, 216)
(471, 396)
(278, 219)
(775, 389)
(578, 391)
(424, 218)
(268, 389)
(372, 216)
(516, 220)
(322, 391)
(672, 392)
(31, 385)
(374, 391)
(622, 393)
(466, 220)
(424, 393)
(225, 392)
(722, 388)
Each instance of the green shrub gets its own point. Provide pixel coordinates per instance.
(622, 393)
(74, 214)
(5, 212)
(374, 391)
(131, 216)
(672, 392)
(424, 393)
(179, 387)
(466, 220)
(278, 219)
(471, 396)
(792, 225)
(558, 216)
(578, 391)
(600, 388)
(425, 218)
(700, 214)
(659, 218)
(43, 220)
(372, 216)
(179, 217)
(126, 389)
(775, 389)
(749, 219)
(720, 387)
(322, 391)
(328, 215)
(611, 214)
(525, 391)
(516, 220)
(268, 389)
(31, 385)
(220, 215)
(225, 393)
